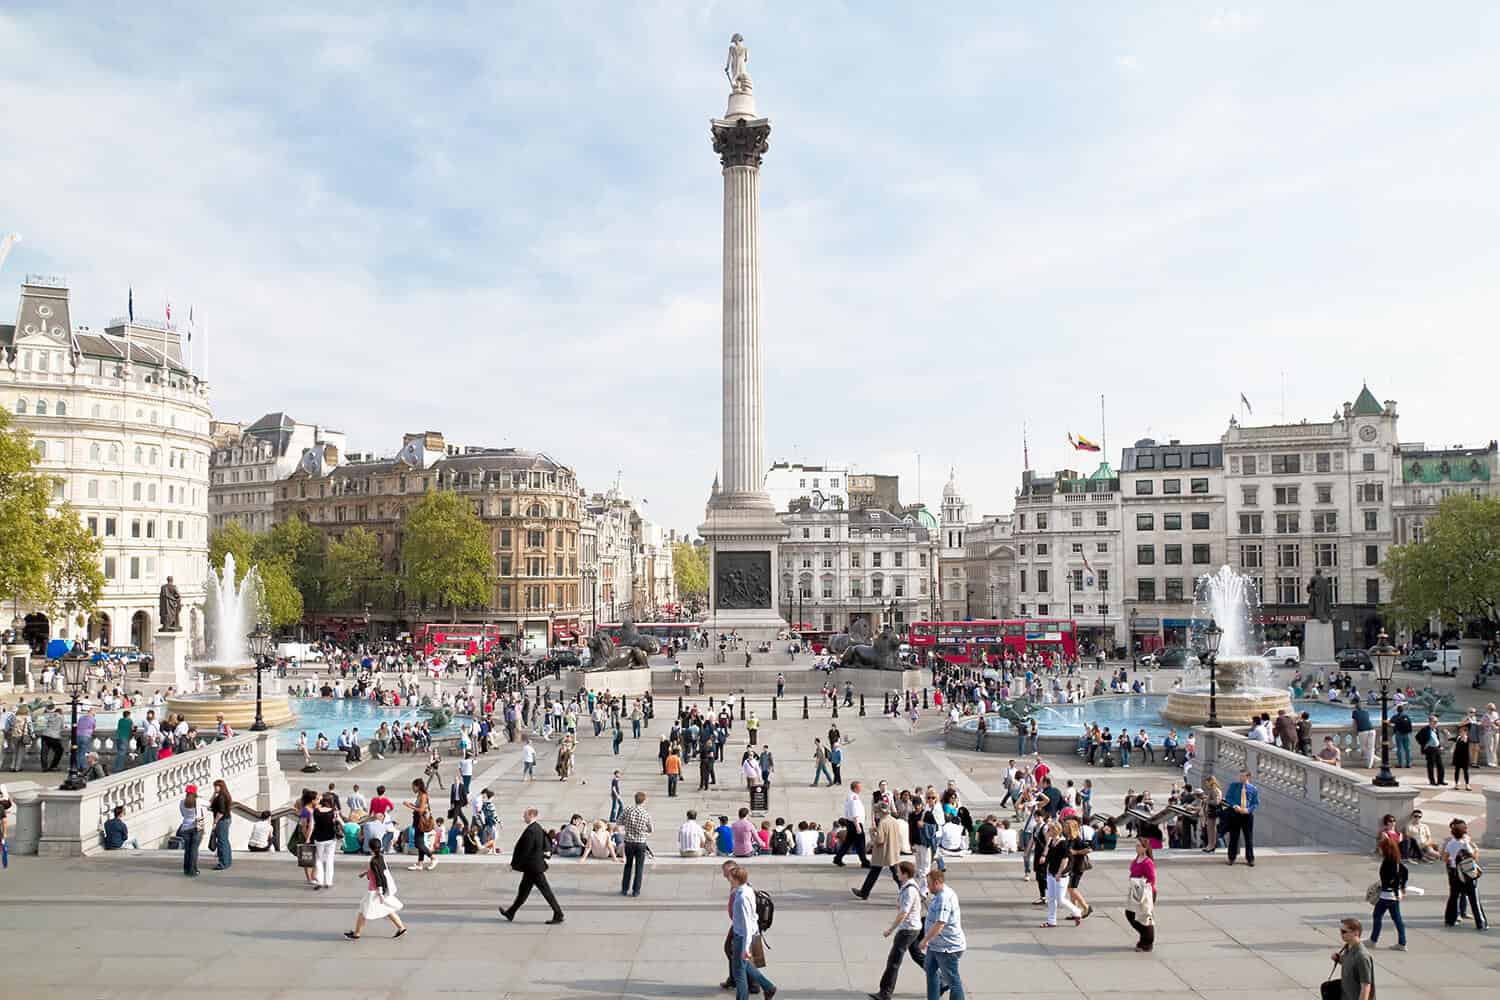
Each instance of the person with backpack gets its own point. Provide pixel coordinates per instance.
(1462, 860)
(750, 915)
(907, 928)
(781, 838)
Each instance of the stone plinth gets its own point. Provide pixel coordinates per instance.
(1317, 644)
(633, 682)
(17, 667)
(169, 651)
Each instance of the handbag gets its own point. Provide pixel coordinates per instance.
(1468, 866)
(1372, 894)
(307, 855)
(757, 952)
(1333, 988)
(424, 821)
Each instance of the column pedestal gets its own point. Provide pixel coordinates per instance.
(169, 651)
(1317, 644)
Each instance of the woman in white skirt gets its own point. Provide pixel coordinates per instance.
(380, 901)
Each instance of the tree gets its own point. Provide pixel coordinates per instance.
(25, 534)
(354, 570)
(1453, 573)
(232, 538)
(447, 553)
(301, 548)
(74, 580)
(280, 600)
(690, 568)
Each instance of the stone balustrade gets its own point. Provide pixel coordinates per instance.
(70, 823)
(1303, 802)
(1491, 818)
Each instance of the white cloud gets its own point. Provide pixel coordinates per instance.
(1229, 22)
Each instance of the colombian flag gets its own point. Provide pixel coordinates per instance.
(1081, 443)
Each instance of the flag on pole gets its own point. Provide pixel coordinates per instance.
(190, 324)
(169, 313)
(1246, 403)
(130, 305)
(1081, 443)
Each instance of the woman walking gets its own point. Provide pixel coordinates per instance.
(1462, 750)
(1462, 859)
(220, 806)
(1140, 903)
(421, 825)
(1058, 859)
(1212, 800)
(1392, 888)
(327, 831)
(380, 900)
(305, 806)
(1078, 863)
(190, 830)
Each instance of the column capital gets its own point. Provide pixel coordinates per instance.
(741, 143)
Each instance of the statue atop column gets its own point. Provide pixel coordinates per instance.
(1320, 597)
(169, 607)
(734, 66)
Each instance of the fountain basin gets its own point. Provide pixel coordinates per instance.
(1240, 696)
(233, 696)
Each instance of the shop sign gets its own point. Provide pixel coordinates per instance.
(1145, 624)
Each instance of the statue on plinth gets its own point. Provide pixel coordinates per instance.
(734, 66)
(1320, 598)
(169, 607)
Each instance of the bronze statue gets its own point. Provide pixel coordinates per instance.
(169, 607)
(604, 655)
(630, 637)
(879, 654)
(1320, 597)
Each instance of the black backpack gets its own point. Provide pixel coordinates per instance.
(765, 910)
(781, 842)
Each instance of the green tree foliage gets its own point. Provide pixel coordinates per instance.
(75, 581)
(235, 538)
(447, 553)
(300, 548)
(25, 535)
(690, 568)
(280, 600)
(354, 571)
(1453, 573)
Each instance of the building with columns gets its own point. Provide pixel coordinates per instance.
(955, 596)
(122, 422)
(248, 460)
(842, 566)
(989, 566)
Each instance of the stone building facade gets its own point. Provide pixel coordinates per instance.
(122, 423)
(248, 460)
(839, 566)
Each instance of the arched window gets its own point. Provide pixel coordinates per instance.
(93, 489)
(114, 454)
(96, 411)
(94, 452)
(135, 491)
(114, 489)
(114, 413)
(21, 405)
(151, 493)
(41, 407)
(62, 408)
(140, 455)
(153, 416)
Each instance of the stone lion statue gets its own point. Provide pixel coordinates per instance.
(605, 655)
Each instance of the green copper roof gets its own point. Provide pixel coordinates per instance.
(1103, 472)
(925, 519)
(1367, 405)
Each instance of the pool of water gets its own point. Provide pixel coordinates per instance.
(1136, 712)
(331, 716)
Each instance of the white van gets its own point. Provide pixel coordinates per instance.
(304, 652)
(1447, 662)
(1283, 656)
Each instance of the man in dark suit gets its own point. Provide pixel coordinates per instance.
(530, 859)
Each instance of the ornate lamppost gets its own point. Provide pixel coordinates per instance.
(75, 671)
(259, 642)
(1384, 655)
(1211, 637)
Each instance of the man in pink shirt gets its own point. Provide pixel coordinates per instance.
(744, 835)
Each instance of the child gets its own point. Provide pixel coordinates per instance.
(380, 900)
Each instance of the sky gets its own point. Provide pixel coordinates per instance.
(503, 220)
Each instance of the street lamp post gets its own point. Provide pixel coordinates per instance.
(1384, 655)
(1211, 637)
(367, 625)
(259, 642)
(75, 667)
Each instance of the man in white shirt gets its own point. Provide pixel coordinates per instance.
(690, 837)
(528, 760)
(806, 841)
(1007, 839)
(854, 831)
(907, 927)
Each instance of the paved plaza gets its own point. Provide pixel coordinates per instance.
(129, 925)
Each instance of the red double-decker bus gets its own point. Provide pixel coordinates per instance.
(973, 643)
(438, 639)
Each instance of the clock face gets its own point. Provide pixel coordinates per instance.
(1367, 433)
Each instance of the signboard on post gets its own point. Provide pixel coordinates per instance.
(760, 800)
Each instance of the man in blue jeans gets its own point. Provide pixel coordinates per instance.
(944, 944)
(1402, 728)
(635, 823)
(744, 930)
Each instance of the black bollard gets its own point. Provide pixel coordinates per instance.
(742, 708)
(861, 705)
(835, 708)
(885, 708)
(679, 704)
(924, 697)
(804, 706)
(773, 709)
(710, 701)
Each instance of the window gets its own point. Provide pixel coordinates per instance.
(1288, 524)
(1145, 461)
(1043, 609)
(1023, 548)
(1200, 459)
(1372, 555)
(827, 561)
(1145, 590)
(1023, 581)
(855, 589)
(1145, 555)
(1200, 520)
(922, 559)
(1041, 548)
(1078, 519)
(827, 532)
(1372, 590)
(1372, 520)
(505, 564)
(135, 568)
(1288, 590)
(875, 558)
(1172, 460)
(109, 567)
(1286, 496)
(877, 586)
(1172, 555)
(1248, 495)
(1101, 518)
(1250, 557)
(1023, 522)
(1174, 589)
(1078, 547)
(504, 504)
(1171, 522)
(1201, 554)
(1101, 547)
(806, 532)
(1041, 522)
(1286, 465)
(1172, 486)
(1321, 461)
(1324, 493)
(855, 560)
(1325, 522)
(1042, 582)
(1198, 485)
(109, 528)
(896, 559)
(827, 588)
(21, 405)
(1288, 556)
(1250, 524)
(1077, 580)
(1369, 493)
(1103, 576)
(505, 538)
(1325, 554)
(135, 529)
(1144, 487)
(1367, 461)
(1145, 522)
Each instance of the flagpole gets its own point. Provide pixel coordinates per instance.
(1103, 430)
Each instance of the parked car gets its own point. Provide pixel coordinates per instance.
(565, 658)
(1354, 659)
(1172, 657)
(125, 654)
(1287, 656)
(1419, 659)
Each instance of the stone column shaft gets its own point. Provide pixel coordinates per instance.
(744, 437)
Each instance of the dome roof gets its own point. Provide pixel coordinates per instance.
(950, 491)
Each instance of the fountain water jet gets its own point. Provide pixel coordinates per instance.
(232, 609)
(1245, 685)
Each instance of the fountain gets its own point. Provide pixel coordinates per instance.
(231, 612)
(1245, 685)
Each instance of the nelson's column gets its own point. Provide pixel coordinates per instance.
(742, 529)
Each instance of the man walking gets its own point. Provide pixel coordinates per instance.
(706, 771)
(616, 803)
(854, 827)
(1356, 967)
(820, 758)
(746, 950)
(530, 859)
(885, 853)
(907, 927)
(1401, 726)
(1430, 739)
(1242, 798)
(1364, 732)
(944, 944)
(635, 822)
(767, 768)
(673, 767)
